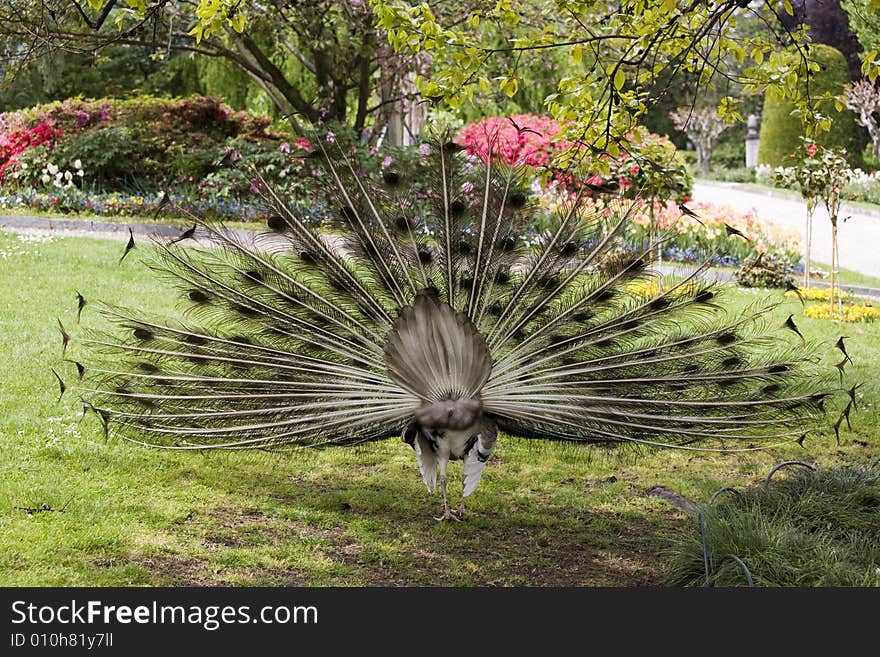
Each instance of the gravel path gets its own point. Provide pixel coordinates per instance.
(858, 236)
(119, 231)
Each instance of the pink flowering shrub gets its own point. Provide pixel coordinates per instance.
(519, 139)
(16, 143)
(141, 142)
(653, 170)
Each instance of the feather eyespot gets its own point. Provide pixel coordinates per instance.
(277, 224)
(507, 242)
(569, 249)
(726, 338)
(198, 296)
(143, 334)
(548, 282)
(247, 311)
(457, 207)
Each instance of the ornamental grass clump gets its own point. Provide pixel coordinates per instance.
(806, 528)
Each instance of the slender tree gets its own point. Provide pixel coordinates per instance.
(863, 98)
(703, 127)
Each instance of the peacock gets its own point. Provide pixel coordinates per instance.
(442, 319)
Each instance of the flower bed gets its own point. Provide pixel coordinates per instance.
(851, 312)
(692, 239)
(816, 294)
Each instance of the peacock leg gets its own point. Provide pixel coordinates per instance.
(447, 513)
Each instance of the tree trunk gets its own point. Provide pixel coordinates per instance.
(703, 158)
(809, 246)
(873, 131)
(834, 266)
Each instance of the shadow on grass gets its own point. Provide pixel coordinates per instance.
(379, 530)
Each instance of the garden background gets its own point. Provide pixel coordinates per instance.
(118, 128)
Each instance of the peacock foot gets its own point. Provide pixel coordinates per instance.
(448, 514)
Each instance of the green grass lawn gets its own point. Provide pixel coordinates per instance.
(182, 221)
(847, 276)
(543, 515)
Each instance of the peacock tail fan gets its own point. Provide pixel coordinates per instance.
(338, 334)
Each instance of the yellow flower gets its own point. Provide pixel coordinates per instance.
(816, 294)
(849, 314)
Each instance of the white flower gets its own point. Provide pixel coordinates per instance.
(45, 178)
(68, 176)
(51, 168)
(80, 173)
(24, 166)
(77, 164)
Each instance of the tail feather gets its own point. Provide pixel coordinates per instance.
(432, 303)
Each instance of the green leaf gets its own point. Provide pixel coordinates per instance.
(619, 79)
(509, 86)
(197, 32)
(237, 22)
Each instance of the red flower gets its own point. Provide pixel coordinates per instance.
(812, 149)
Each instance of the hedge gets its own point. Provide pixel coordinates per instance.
(781, 132)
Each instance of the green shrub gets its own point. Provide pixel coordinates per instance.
(111, 153)
(769, 272)
(144, 142)
(729, 152)
(742, 174)
(781, 131)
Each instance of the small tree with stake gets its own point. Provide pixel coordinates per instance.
(808, 176)
(836, 174)
(821, 174)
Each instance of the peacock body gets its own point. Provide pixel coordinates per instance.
(433, 319)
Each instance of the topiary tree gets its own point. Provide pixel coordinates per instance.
(781, 131)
